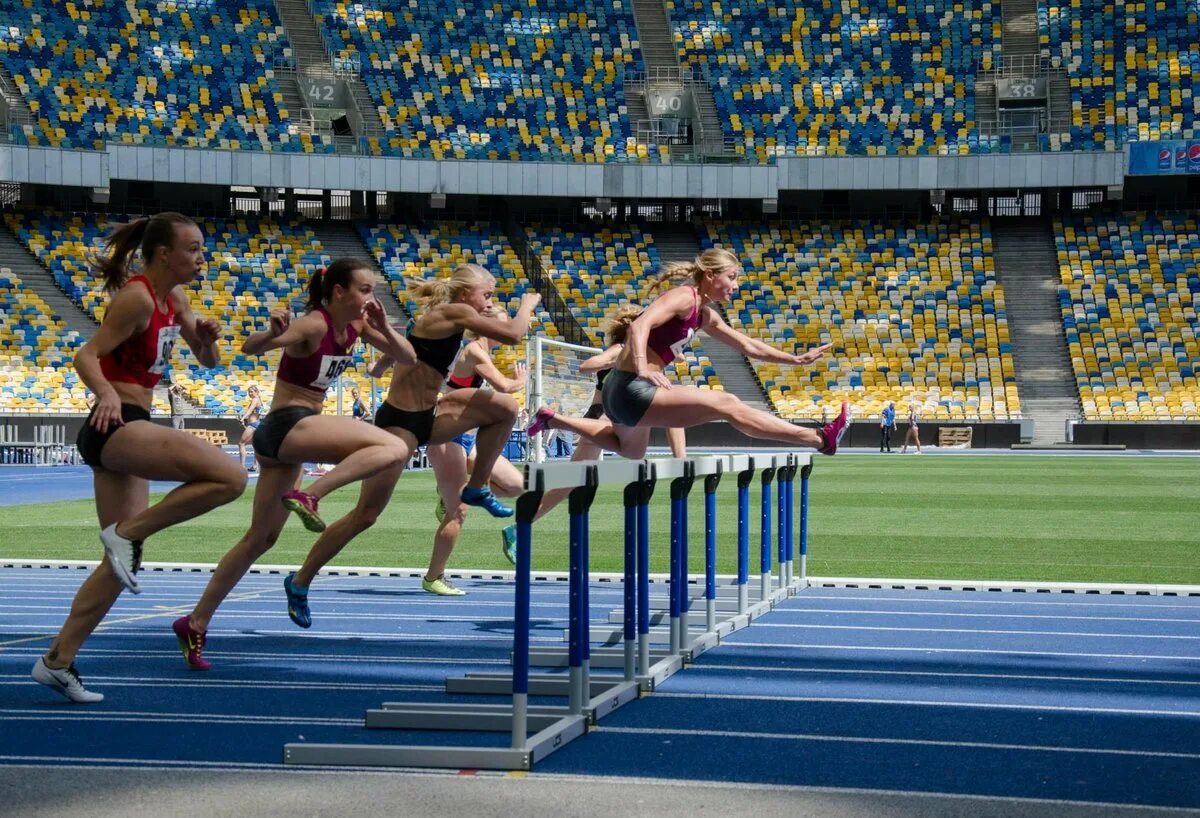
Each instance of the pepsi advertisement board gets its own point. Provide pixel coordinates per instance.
(1154, 158)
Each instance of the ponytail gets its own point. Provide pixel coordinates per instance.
(338, 274)
(616, 329)
(144, 235)
(712, 260)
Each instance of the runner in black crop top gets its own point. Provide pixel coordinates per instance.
(413, 410)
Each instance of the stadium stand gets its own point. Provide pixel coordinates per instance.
(184, 72)
(36, 351)
(913, 310)
(481, 80)
(1132, 68)
(882, 77)
(1128, 296)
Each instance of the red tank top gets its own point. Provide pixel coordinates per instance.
(142, 358)
(668, 340)
(318, 371)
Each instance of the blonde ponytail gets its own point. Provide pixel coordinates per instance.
(616, 328)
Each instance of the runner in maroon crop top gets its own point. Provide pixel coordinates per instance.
(637, 395)
(317, 348)
(616, 334)
(121, 364)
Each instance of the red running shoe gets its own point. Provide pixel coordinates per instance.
(541, 421)
(191, 642)
(833, 432)
(305, 505)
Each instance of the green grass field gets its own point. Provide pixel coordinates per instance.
(1080, 519)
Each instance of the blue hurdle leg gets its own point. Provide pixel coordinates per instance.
(630, 633)
(743, 537)
(710, 558)
(575, 628)
(674, 598)
(764, 563)
(643, 595)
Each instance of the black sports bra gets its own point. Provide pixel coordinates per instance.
(437, 353)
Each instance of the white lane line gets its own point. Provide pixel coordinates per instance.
(108, 625)
(273, 656)
(966, 598)
(778, 612)
(1038, 708)
(973, 745)
(77, 714)
(428, 616)
(984, 651)
(947, 674)
(782, 626)
(192, 681)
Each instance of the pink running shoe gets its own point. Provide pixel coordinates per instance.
(833, 432)
(191, 642)
(305, 505)
(541, 421)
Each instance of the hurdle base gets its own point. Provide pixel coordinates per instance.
(540, 684)
(455, 718)
(659, 672)
(538, 746)
(600, 657)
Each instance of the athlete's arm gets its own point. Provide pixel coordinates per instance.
(504, 332)
(305, 332)
(380, 334)
(715, 326)
(485, 367)
(674, 303)
(602, 360)
(201, 334)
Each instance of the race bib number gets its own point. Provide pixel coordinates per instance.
(167, 336)
(678, 347)
(332, 367)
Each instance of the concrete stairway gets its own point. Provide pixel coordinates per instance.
(1020, 27)
(1027, 267)
(15, 256)
(340, 239)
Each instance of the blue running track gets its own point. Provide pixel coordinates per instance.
(1051, 696)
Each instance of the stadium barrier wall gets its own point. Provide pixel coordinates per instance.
(53, 166)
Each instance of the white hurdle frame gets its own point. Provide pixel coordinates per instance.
(535, 395)
(538, 731)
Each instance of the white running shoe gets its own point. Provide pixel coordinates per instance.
(124, 557)
(66, 681)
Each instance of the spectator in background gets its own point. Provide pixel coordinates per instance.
(178, 403)
(887, 424)
(359, 408)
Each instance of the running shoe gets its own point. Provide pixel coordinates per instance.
(442, 587)
(124, 557)
(509, 544)
(305, 505)
(485, 499)
(65, 680)
(297, 603)
(541, 421)
(834, 432)
(191, 643)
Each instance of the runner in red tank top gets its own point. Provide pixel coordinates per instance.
(121, 364)
(317, 348)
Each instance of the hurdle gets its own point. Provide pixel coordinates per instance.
(646, 657)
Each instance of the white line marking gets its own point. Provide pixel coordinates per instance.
(701, 666)
(78, 714)
(273, 656)
(840, 611)
(973, 745)
(988, 651)
(779, 625)
(1048, 708)
(241, 684)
